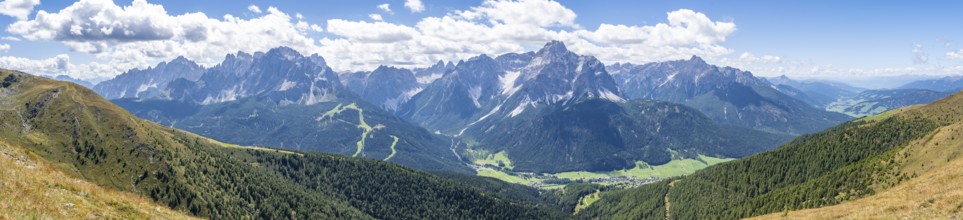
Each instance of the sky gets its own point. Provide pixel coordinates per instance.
(850, 41)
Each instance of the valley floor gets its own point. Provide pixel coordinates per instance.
(498, 166)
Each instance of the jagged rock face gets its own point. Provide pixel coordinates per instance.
(678, 81)
(387, 87)
(483, 88)
(558, 75)
(464, 92)
(282, 73)
(428, 75)
(150, 82)
(725, 94)
(514, 61)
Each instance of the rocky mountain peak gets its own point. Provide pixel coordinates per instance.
(697, 60)
(553, 51)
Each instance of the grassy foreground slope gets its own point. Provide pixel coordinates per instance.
(35, 189)
(92, 139)
(851, 161)
(936, 164)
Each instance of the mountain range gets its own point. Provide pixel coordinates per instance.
(147, 83)
(815, 92)
(945, 84)
(89, 138)
(387, 87)
(283, 99)
(726, 95)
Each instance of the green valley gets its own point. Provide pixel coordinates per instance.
(500, 167)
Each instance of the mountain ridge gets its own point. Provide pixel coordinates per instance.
(725, 94)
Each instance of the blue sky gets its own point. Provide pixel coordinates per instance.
(842, 40)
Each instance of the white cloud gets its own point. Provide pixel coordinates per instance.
(375, 17)
(538, 13)
(386, 8)
(415, 5)
(497, 27)
(10, 38)
(750, 58)
(143, 34)
(19, 9)
(685, 28)
(254, 8)
(51, 66)
(955, 54)
(4, 47)
(377, 32)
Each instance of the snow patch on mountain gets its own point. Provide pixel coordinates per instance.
(521, 107)
(609, 95)
(508, 82)
(474, 93)
(286, 85)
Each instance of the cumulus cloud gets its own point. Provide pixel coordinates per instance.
(10, 38)
(375, 17)
(415, 5)
(377, 32)
(955, 54)
(142, 34)
(538, 13)
(386, 8)
(254, 8)
(19, 9)
(4, 47)
(499, 26)
(685, 28)
(59, 65)
(51, 66)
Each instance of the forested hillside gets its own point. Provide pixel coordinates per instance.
(93, 139)
(849, 161)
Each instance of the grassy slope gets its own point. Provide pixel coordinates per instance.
(849, 162)
(936, 164)
(36, 189)
(886, 114)
(88, 137)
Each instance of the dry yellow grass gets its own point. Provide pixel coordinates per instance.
(30, 188)
(936, 192)
(933, 195)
